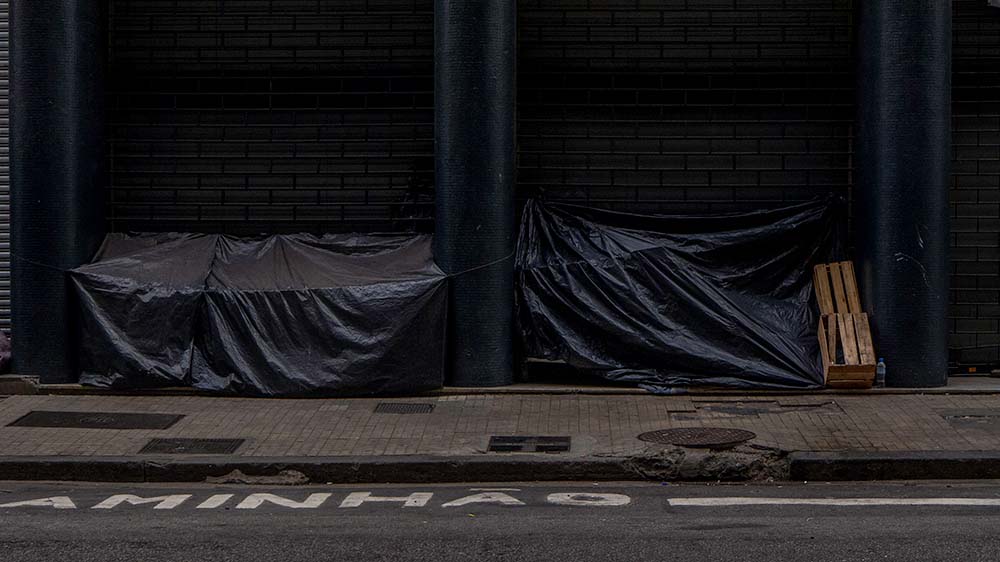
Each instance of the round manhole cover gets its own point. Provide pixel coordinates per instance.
(698, 437)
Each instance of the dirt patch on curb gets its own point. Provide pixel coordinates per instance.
(745, 463)
(283, 478)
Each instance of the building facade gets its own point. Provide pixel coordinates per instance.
(249, 116)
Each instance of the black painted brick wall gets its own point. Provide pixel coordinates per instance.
(674, 105)
(287, 115)
(975, 197)
(269, 115)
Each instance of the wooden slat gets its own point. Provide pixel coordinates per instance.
(843, 383)
(839, 298)
(851, 372)
(864, 334)
(824, 348)
(850, 342)
(851, 287)
(821, 286)
(832, 336)
(849, 362)
(850, 376)
(849, 384)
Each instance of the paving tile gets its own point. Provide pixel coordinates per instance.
(461, 425)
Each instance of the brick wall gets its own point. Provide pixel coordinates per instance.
(286, 115)
(680, 104)
(247, 115)
(975, 196)
(270, 115)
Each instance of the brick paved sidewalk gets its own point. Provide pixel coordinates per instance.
(461, 425)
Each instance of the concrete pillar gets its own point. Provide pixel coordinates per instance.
(58, 160)
(901, 186)
(474, 61)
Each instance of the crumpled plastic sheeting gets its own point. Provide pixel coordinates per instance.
(675, 301)
(139, 303)
(5, 353)
(285, 315)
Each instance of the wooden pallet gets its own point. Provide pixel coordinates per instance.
(845, 338)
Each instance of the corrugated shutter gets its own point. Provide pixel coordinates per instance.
(250, 116)
(974, 329)
(5, 165)
(693, 106)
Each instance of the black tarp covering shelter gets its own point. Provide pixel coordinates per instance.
(674, 301)
(283, 315)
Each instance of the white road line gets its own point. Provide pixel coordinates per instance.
(499, 498)
(215, 501)
(253, 501)
(836, 502)
(162, 502)
(416, 499)
(57, 502)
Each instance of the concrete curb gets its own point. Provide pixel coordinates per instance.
(801, 466)
(545, 390)
(906, 465)
(29, 385)
(18, 385)
(339, 470)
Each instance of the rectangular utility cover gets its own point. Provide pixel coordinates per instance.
(403, 408)
(97, 420)
(182, 446)
(529, 444)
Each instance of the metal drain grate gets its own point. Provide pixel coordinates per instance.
(182, 446)
(401, 408)
(740, 409)
(699, 437)
(715, 410)
(529, 444)
(982, 418)
(97, 420)
(970, 414)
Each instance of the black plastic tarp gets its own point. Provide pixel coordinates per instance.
(675, 301)
(284, 315)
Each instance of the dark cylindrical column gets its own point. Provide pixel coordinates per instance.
(474, 105)
(57, 164)
(901, 188)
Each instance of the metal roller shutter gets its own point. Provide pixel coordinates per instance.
(249, 116)
(685, 106)
(5, 165)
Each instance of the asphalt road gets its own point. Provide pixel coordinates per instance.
(552, 522)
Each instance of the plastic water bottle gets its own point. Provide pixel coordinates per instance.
(880, 373)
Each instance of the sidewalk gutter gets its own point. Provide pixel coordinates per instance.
(903, 465)
(337, 470)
